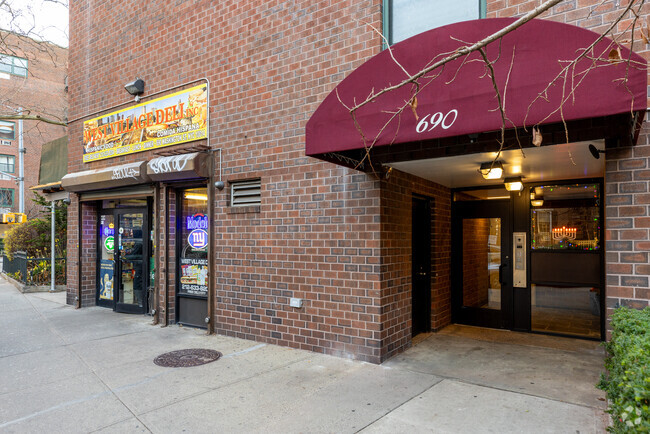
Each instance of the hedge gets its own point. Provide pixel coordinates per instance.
(627, 380)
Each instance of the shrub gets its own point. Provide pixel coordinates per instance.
(627, 381)
(33, 236)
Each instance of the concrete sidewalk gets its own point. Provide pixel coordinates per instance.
(88, 370)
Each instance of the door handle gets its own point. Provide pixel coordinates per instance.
(501, 267)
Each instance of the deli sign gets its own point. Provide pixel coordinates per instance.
(177, 118)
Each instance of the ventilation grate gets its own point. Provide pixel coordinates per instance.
(246, 193)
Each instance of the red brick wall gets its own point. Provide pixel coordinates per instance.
(627, 169)
(41, 93)
(316, 235)
(396, 198)
(475, 261)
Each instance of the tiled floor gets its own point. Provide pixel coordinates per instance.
(566, 321)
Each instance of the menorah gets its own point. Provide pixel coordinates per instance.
(564, 232)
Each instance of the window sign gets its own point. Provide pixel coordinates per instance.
(194, 243)
(106, 260)
(177, 118)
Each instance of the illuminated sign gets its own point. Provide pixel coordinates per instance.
(197, 221)
(177, 118)
(109, 231)
(198, 239)
(109, 243)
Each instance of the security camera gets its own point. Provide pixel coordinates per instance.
(67, 201)
(219, 184)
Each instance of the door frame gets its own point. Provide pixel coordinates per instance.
(424, 297)
(179, 243)
(492, 318)
(117, 268)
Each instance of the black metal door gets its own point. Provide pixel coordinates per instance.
(421, 274)
(481, 263)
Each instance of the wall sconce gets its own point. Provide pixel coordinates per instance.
(514, 184)
(491, 170)
(135, 88)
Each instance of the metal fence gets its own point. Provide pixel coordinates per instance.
(33, 271)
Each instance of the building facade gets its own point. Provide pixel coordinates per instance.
(236, 193)
(32, 79)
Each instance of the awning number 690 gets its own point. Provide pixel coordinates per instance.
(429, 123)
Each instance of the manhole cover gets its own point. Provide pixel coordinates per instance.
(187, 358)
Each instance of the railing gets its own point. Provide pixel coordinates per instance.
(33, 271)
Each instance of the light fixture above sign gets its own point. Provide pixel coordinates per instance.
(136, 87)
(491, 170)
(514, 184)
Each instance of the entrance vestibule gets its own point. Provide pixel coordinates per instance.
(124, 252)
(561, 291)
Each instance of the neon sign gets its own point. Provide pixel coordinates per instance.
(197, 221)
(198, 239)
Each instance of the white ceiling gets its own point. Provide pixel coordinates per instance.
(546, 163)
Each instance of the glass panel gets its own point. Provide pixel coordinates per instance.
(7, 130)
(123, 203)
(107, 257)
(565, 217)
(482, 194)
(194, 242)
(481, 262)
(131, 255)
(410, 17)
(566, 310)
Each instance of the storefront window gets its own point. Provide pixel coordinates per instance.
(565, 217)
(194, 242)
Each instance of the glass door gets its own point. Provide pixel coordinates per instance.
(106, 268)
(131, 252)
(481, 267)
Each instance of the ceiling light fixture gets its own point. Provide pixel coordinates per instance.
(514, 184)
(492, 170)
(196, 196)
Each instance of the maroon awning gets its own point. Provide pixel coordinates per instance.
(461, 100)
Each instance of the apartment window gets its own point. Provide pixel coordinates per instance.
(13, 65)
(245, 193)
(6, 197)
(7, 163)
(406, 18)
(7, 130)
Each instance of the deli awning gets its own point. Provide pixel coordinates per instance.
(175, 167)
(461, 100)
(109, 177)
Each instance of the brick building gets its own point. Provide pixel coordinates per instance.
(32, 78)
(235, 192)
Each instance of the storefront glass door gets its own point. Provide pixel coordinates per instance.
(481, 274)
(131, 285)
(123, 251)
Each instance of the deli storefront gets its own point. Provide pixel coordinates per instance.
(146, 221)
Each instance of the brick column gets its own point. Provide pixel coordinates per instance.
(627, 223)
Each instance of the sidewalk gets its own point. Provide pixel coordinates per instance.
(92, 370)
